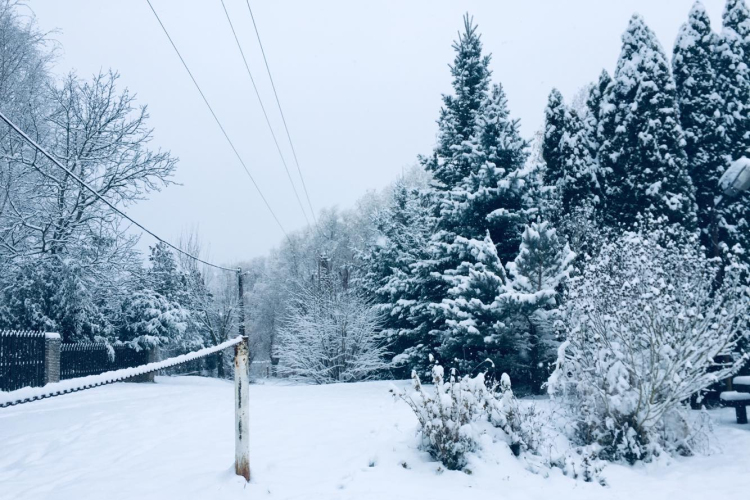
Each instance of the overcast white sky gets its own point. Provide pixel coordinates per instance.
(360, 83)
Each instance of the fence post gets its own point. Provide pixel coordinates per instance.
(151, 356)
(241, 410)
(52, 342)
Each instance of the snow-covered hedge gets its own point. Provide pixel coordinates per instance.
(646, 325)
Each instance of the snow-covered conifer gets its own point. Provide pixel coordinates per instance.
(471, 77)
(642, 150)
(543, 263)
(570, 166)
(594, 110)
(701, 107)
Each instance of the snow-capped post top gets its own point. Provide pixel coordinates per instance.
(52, 335)
(737, 177)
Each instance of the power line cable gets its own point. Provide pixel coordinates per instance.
(265, 114)
(283, 119)
(106, 202)
(223, 131)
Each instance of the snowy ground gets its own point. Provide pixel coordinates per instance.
(173, 439)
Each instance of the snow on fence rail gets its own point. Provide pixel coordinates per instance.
(28, 394)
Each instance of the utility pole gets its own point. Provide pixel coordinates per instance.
(241, 302)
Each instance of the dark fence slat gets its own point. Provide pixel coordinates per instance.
(80, 360)
(21, 359)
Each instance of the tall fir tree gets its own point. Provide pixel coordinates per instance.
(570, 165)
(480, 225)
(471, 79)
(642, 151)
(701, 107)
(555, 118)
(450, 296)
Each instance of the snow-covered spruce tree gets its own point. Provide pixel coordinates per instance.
(158, 311)
(733, 75)
(164, 277)
(404, 226)
(471, 80)
(543, 263)
(642, 149)
(449, 297)
(331, 335)
(455, 158)
(701, 107)
(570, 166)
(481, 219)
(644, 328)
(555, 123)
(55, 294)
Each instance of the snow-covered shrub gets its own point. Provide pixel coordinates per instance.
(330, 336)
(447, 414)
(459, 410)
(645, 324)
(521, 423)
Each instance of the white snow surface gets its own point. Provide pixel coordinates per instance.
(174, 439)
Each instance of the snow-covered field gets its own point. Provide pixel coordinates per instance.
(174, 439)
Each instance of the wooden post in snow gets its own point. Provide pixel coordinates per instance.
(241, 409)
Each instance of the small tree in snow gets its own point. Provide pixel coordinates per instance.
(535, 276)
(330, 336)
(644, 327)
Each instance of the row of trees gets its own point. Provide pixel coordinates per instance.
(67, 262)
(469, 259)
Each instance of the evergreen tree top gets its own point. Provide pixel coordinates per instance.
(593, 108)
(642, 149)
(693, 51)
(737, 17)
(471, 77)
(695, 31)
(594, 100)
(641, 53)
(458, 116)
(470, 69)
